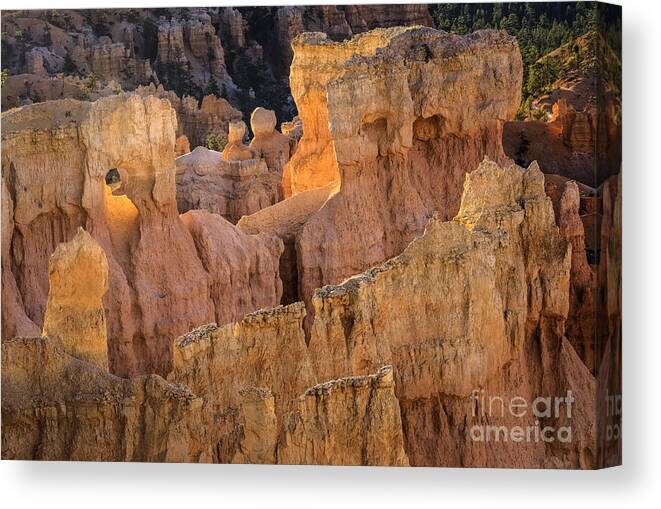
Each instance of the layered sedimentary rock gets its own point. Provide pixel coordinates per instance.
(197, 121)
(229, 188)
(265, 349)
(268, 143)
(193, 44)
(341, 22)
(498, 273)
(499, 276)
(351, 421)
(398, 116)
(181, 146)
(78, 143)
(254, 377)
(77, 282)
(57, 407)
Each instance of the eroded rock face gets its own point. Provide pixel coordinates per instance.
(77, 282)
(351, 421)
(57, 407)
(192, 43)
(197, 121)
(286, 220)
(267, 143)
(181, 146)
(399, 151)
(389, 383)
(243, 270)
(229, 188)
(55, 157)
(236, 150)
(581, 136)
(499, 275)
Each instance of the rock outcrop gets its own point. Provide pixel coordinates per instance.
(236, 150)
(286, 220)
(381, 380)
(57, 407)
(192, 45)
(267, 143)
(229, 188)
(499, 275)
(181, 146)
(77, 282)
(243, 270)
(55, 158)
(399, 151)
(194, 120)
(351, 421)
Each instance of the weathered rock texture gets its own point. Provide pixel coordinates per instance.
(236, 149)
(241, 54)
(57, 407)
(243, 269)
(55, 157)
(192, 45)
(351, 421)
(77, 282)
(398, 116)
(286, 220)
(194, 120)
(499, 276)
(229, 188)
(267, 143)
(389, 382)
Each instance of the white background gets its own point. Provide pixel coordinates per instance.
(635, 484)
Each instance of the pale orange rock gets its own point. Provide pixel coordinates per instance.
(351, 421)
(499, 276)
(267, 142)
(58, 155)
(197, 121)
(78, 280)
(243, 270)
(265, 349)
(236, 150)
(181, 146)
(400, 151)
(286, 220)
(58, 407)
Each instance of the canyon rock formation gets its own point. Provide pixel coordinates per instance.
(229, 188)
(77, 282)
(267, 143)
(147, 303)
(50, 54)
(197, 120)
(377, 284)
(375, 120)
(381, 380)
(236, 150)
(55, 406)
(581, 138)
